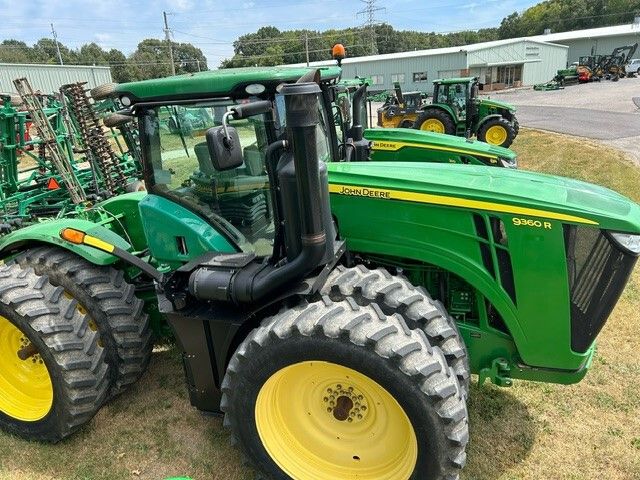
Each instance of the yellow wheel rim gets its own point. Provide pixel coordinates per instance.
(496, 135)
(432, 125)
(322, 421)
(26, 391)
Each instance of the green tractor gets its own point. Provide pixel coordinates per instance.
(402, 144)
(333, 311)
(456, 109)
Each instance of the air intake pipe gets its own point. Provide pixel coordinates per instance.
(255, 281)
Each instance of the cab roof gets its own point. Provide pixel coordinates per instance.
(229, 82)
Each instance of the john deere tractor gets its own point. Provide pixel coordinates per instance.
(332, 311)
(402, 144)
(457, 110)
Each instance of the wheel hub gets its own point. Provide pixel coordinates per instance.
(26, 391)
(317, 420)
(345, 403)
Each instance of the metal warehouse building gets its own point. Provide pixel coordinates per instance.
(49, 78)
(595, 41)
(498, 64)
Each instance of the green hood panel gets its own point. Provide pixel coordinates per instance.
(496, 104)
(438, 140)
(520, 193)
(216, 82)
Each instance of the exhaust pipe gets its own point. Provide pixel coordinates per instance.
(253, 281)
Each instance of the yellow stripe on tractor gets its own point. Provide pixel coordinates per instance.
(385, 194)
(395, 146)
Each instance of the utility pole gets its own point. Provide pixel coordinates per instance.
(369, 14)
(55, 39)
(167, 36)
(306, 45)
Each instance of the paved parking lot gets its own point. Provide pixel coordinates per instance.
(602, 111)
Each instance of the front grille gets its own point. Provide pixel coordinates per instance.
(598, 272)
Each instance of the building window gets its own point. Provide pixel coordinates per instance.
(377, 79)
(397, 78)
(419, 77)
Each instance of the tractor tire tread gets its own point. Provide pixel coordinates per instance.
(122, 324)
(395, 294)
(81, 361)
(365, 326)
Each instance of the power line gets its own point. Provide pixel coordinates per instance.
(369, 12)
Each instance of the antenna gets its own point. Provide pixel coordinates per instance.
(369, 13)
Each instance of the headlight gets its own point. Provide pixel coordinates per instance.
(628, 241)
(509, 162)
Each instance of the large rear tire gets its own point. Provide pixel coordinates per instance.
(395, 294)
(53, 373)
(337, 390)
(435, 120)
(110, 303)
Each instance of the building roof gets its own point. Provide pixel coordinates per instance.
(51, 65)
(430, 52)
(629, 29)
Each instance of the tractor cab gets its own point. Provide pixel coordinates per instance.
(455, 93)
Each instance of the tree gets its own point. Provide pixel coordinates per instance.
(14, 51)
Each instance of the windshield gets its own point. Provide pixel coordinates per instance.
(183, 171)
(182, 168)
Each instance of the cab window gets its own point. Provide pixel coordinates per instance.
(184, 170)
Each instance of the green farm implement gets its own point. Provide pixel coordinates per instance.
(331, 310)
(55, 156)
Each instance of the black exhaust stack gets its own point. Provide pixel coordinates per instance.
(241, 278)
(362, 147)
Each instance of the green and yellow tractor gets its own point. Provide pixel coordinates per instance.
(403, 144)
(333, 311)
(456, 109)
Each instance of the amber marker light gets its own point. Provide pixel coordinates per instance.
(338, 52)
(72, 235)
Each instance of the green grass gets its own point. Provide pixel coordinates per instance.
(528, 432)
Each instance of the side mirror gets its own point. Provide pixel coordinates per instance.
(224, 148)
(250, 109)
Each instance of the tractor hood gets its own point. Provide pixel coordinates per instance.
(438, 141)
(496, 104)
(518, 192)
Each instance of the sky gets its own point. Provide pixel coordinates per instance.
(213, 25)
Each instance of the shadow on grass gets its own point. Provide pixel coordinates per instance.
(502, 433)
(152, 432)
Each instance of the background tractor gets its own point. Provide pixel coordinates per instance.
(317, 303)
(401, 110)
(401, 144)
(456, 109)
